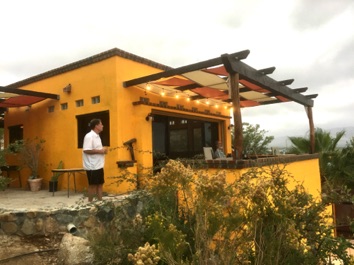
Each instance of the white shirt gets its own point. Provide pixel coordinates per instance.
(219, 153)
(92, 161)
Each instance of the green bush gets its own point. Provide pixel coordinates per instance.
(196, 217)
(4, 182)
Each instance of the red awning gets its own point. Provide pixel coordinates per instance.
(19, 101)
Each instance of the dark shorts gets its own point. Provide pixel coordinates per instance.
(95, 177)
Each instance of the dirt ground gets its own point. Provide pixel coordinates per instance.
(39, 250)
(32, 249)
(35, 249)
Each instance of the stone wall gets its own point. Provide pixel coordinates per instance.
(84, 217)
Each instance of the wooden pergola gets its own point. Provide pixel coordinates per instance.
(15, 97)
(228, 80)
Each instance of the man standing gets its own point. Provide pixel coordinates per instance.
(93, 157)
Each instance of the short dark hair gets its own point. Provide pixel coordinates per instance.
(93, 123)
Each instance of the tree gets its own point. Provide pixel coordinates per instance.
(337, 166)
(336, 169)
(324, 142)
(255, 140)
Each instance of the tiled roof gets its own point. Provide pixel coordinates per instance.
(87, 61)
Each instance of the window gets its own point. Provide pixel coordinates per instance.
(82, 127)
(15, 133)
(96, 100)
(64, 106)
(51, 109)
(79, 103)
(178, 137)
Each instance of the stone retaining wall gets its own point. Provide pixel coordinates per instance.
(84, 217)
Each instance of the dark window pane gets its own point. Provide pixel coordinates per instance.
(178, 141)
(83, 128)
(197, 139)
(15, 133)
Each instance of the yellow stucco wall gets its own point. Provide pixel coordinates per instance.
(104, 79)
(305, 172)
(59, 128)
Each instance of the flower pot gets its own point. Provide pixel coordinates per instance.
(35, 184)
(53, 185)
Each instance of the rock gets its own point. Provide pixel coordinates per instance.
(9, 228)
(27, 227)
(74, 250)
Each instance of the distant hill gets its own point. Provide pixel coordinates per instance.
(284, 142)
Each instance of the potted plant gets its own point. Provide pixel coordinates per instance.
(53, 183)
(29, 151)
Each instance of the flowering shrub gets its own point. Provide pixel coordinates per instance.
(145, 255)
(201, 218)
(207, 217)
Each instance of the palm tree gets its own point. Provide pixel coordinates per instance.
(336, 170)
(338, 166)
(323, 142)
(330, 155)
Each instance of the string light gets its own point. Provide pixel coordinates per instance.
(151, 88)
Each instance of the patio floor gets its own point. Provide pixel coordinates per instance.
(19, 200)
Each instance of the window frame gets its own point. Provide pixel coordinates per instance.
(83, 128)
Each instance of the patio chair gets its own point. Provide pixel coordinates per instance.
(208, 153)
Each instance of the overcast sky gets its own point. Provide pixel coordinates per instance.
(311, 41)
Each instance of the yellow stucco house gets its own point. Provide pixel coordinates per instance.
(150, 107)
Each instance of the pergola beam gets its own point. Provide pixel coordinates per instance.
(184, 69)
(286, 82)
(311, 96)
(188, 87)
(266, 71)
(29, 93)
(268, 83)
(300, 89)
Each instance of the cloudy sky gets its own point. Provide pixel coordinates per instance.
(311, 41)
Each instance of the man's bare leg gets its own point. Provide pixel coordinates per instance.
(91, 192)
(99, 192)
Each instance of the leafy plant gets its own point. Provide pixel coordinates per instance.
(145, 255)
(56, 175)
(255, 140)
(3, 157)
(324, 142)
(200, 218)
(15, 147)
(4, 182)
(29, 151)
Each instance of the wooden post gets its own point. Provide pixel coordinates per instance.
(312, 129)
(235, 97)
